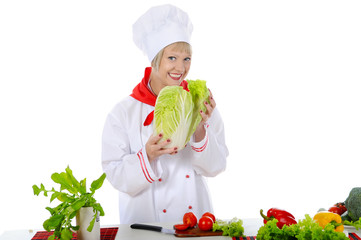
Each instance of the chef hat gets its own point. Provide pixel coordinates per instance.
(159, 27)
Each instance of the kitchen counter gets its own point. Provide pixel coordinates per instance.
(251, 227)
(126, 233)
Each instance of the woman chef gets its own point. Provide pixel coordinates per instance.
(158, 184)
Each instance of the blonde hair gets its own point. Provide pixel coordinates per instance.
(178, 46)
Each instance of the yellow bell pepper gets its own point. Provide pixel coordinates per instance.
(323, 218)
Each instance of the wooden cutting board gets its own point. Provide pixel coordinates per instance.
(196, 232)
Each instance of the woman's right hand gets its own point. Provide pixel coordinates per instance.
(155, 147)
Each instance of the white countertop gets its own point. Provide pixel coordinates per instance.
(251, 227)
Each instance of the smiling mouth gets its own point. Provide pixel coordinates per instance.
(175, 76)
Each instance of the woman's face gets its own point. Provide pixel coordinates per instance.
(173, 68)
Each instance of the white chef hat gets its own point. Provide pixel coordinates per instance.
(159, 27)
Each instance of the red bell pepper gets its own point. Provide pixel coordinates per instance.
(283, 217)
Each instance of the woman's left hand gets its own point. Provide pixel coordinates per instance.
(200, 132)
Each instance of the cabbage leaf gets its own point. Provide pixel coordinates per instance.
(176, 112)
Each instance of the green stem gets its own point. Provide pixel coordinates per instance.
(336, 224)
(264, 216)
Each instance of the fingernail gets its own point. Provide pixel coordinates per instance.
(168, 140)
(175, 152)
(200, 111)
(175, 148)
(205, 102)
(160, 135)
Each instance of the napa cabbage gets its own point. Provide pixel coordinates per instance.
(176, 112)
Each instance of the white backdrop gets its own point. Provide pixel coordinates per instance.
(286, 76)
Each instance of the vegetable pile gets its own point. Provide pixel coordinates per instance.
(306, 229)
(176, 112)
(350, 210)
(205, 223)
(283, 217)
(208, 222)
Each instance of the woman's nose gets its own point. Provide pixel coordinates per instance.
(180, 66)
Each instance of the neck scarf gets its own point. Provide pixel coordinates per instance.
(143, 94)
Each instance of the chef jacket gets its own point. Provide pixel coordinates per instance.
(171, 185)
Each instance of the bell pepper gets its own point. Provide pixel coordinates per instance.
(324, 217)
(283, 217)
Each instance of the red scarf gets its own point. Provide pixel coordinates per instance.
(143, 94)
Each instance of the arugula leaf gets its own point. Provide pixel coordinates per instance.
(96, 184)
(72, 180)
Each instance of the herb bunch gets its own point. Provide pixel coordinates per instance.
(72, 195)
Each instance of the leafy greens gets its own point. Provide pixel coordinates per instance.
(71, 200)
(306, 229)
(233, 228)
(176, 112)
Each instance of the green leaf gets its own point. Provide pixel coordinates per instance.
(75, 228)
(97, 207)
(91, 224)
(72, 179)
(75, 206)
(63, 197)
(42, 188)
(55, 221)
(36, 190)
(65, 183)
(52, 211)
(96, 184)
(52, 237)
(46, 225)
(66, 234)
(54, 196)
(82, 188)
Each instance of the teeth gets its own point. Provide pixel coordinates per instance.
(175, 75)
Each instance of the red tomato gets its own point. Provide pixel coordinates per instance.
(335, 209)
(342, 206)
(208, 214)
(205, 223)
(190, 219)
(181, 227)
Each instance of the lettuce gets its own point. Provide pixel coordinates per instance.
(176, 112)
(305, 229)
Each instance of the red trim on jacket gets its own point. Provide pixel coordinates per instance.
(201, 149)
(144, 167)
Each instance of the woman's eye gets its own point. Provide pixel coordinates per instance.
(171, 58)
(187, 59)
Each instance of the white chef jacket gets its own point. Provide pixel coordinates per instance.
(170, 186)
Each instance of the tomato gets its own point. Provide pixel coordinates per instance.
(335, 209)
(190, 219)
(342, 206)
(205, 223)
(208, 214)
(181, 227)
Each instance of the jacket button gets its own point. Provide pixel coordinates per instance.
(164, 210)
(159, 179)
(187, 176)
(190, 207)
